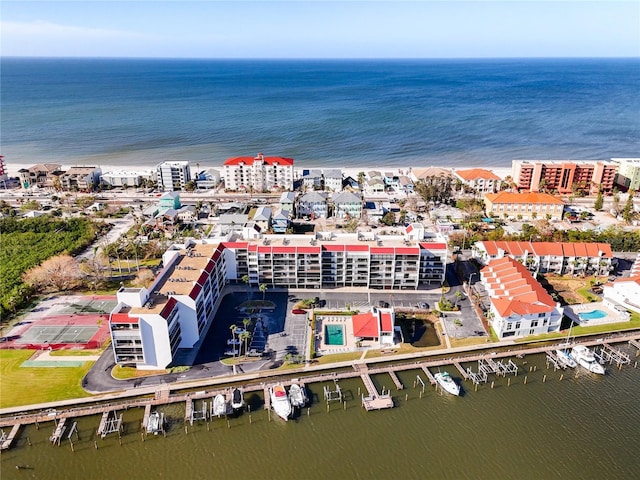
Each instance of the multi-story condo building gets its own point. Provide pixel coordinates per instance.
(527, 206)
(628, 177)
(332, 178)
(149, 325)
(550, 257)
(520, 306)
(3, 170)
(564, 177)
(258, 174)
(125, 178)
(81, 178)
(173, 176)
(479, 179)
(624, 292)
(41, 175)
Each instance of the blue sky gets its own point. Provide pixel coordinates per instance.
(320, 29)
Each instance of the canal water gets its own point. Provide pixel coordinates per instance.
(584, 427)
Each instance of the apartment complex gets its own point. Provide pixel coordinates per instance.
(628, 177)
(479, 179)
(42, 175)
(258, 174)
(520, 306)
(127, 178)
(550, 257)
(149, 325)
(564, 177)
(172, 176)
(526, 206)
(81, 178)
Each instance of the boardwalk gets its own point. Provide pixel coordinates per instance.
(164, 396)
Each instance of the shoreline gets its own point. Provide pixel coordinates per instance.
(12, 168)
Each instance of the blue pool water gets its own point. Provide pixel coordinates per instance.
(334, 334)
(593, 315)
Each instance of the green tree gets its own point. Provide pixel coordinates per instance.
(233, 329)
(599, 202)
(263, 288)
(190, 186)
(388, 219)
(244, 337)
(627, 211)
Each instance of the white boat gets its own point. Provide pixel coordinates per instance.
(280, 401)
(237, 399)
(586, 359)
(565, 359)
(155, 422)
(219, 405)
(447, 383)
(297, 395)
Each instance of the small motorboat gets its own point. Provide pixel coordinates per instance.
(237, 399)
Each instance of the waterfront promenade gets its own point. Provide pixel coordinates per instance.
(155, 395)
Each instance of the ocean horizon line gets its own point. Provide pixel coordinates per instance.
(390, 59)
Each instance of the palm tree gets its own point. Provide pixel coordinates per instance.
(263, 288)
(245, 280)
(233, 336)
(246, 322)
(245, 336)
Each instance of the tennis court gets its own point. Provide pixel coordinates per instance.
(88, 305)
(57, 334)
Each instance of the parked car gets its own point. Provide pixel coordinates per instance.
(298, 311)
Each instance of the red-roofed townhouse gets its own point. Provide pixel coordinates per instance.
(258, 173)
(624, 292)
(555, 257)
(520, 306)
(375, 326)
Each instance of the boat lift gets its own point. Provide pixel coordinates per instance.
(611, 355)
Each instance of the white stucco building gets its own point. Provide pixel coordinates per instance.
(258, 174)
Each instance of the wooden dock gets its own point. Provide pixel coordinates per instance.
(427, 372)
(267, 397)
(374, 401)
(7, 440)
(103, 424)
(461, 370)
(396, 380)
(58, 432)
(163, 395)
(145, 418)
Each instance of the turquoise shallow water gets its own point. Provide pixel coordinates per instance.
(581, 427)
(593, 315)
(334, 334)
(320, 112)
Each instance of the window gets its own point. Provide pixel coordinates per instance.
(517, 325)
(534, 323)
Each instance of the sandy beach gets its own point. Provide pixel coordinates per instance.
(13, 168)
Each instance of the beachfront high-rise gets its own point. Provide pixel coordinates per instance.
(258, 174)
(173, 176)
(628, 177)
(149, 325)
(564, 177)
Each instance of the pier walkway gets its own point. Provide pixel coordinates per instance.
(161, 395)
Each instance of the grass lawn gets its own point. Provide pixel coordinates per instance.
(338, 357)
(125, 373)
(29, 385)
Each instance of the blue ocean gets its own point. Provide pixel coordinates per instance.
(320, 112)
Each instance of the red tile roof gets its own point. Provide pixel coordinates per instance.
(517, 198)
(543, 249)
(519, 292)
(475, 173)
(267, 160)
(365, 325)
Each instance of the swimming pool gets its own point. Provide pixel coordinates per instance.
(592, 315)
(334, 334)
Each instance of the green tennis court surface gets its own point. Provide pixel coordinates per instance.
(51, 334)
